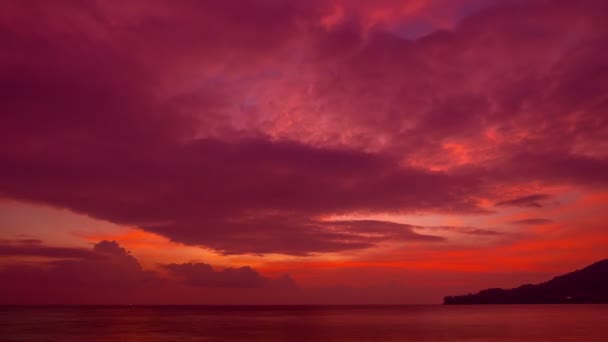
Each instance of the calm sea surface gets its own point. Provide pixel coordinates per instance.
(307, 323)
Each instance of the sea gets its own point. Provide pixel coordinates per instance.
(306, 323)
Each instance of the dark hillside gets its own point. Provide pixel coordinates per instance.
(589, 285)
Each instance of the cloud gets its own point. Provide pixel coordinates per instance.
(266, 234)
(464, 230)
(110, 274)
(534, 201)
(532, 221)
(199, 274)
(213, 125)
(34, 247)
(106, 272)
(382, 230)
(198, 194)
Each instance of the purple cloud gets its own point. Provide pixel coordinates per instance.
(173, 118)
(534, 201)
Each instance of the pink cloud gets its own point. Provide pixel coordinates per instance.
(238, 125)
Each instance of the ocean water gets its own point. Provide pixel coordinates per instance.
(306, 323)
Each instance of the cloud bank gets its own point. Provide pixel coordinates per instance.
(240, 125)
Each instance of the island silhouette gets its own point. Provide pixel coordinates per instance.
(588, 285)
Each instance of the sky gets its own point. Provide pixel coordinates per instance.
(298, 152)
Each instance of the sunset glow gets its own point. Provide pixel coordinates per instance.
(288, 152)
